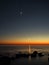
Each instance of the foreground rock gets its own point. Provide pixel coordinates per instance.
(34, 54)
(5, 60)
(40, 54)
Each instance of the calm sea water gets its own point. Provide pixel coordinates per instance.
(12, 49)
(15, 48)
(31, 61)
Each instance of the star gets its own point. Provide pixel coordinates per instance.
(21, 12)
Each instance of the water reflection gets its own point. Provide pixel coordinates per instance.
(29, 58)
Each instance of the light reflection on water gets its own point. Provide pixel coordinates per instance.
(29, 58)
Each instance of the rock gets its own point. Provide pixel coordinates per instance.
(5, 60)
(34, 54)
(40, 54)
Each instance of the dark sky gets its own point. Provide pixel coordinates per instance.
(24, 19)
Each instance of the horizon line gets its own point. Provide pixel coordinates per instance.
(24, 44)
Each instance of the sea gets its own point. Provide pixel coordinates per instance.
(11, 50)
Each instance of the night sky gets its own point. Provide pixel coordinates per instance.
(24, 21)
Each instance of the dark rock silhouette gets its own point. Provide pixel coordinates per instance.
(48, 59)
(48, 54)
(34, 54)
(5, 60)
(13, 58)
(40, 54)
(22, 55)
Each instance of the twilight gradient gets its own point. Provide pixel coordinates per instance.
(24, 21)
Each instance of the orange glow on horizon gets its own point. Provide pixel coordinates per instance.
(23, 43)
(30, 39)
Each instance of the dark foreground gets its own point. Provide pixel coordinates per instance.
(34, 58)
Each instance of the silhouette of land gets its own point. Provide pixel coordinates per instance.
(6, 60)
(29, 53)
